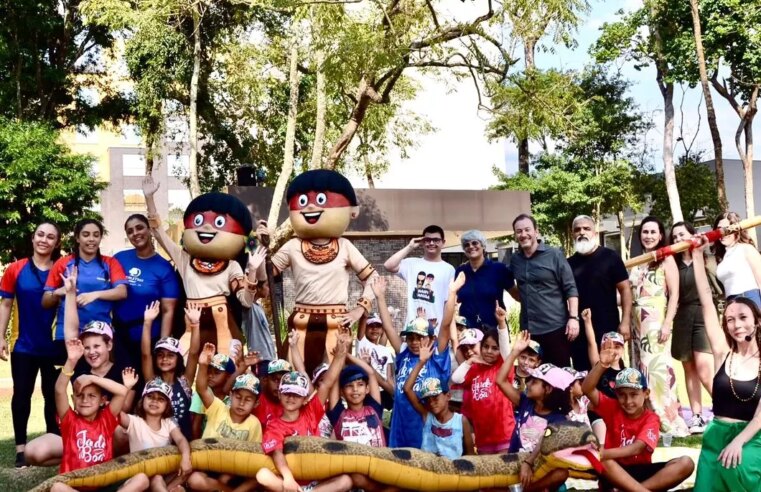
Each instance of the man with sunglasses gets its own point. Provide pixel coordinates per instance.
(427, 278)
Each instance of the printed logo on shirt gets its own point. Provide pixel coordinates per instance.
(442, 432)
(481, 389)
(89, 450)
(423, 290)
(625, 441)
(133, 275)
(224, 430)
(651, 436)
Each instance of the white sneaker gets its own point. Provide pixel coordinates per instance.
(697, 425)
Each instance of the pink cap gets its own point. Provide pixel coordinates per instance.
(553, 375)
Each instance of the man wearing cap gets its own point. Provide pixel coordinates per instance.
(427, 277)
(547, 293)
(600, 277)
(485, 282)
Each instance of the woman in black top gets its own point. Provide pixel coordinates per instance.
(730, 459)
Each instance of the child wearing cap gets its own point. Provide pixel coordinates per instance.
(218, 374)
(87, 431)
(546, 401)
(607, 382)
(318, 377)
(373, 350)
(633, 432)
(166, 362)
(406, 425)
(235, 422)
(154, 427)
(528, 360)
(490, 412)
(445, 433)
(300, 417)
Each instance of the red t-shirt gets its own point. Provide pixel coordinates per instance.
(489, 411)
(623, 431)
(266, 411)
(306, 425)
(87, 443)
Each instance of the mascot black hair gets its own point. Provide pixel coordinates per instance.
(221, 203)
(322, 180)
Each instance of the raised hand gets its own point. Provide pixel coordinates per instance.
(207, 354)
(456, 284)
(129, 378)
(150, 187)
(193, 312)
(586, 315)
(365, 354)
(609, 355)
(74, 349)
(293, 338)
(499, 312)
(426, 350)
(251, 359)
(262, 230)
(256, 258)
(379, 286)
(521, 341)
(152, 311)
(70, 280)
(415, 243)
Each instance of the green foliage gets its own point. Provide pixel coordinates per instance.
(40, 180)
(697, 190)
(47, 55)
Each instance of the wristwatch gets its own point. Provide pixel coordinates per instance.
(574, 317)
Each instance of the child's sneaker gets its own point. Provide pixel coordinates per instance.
(697, 425)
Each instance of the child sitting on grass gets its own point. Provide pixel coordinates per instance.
(633, 430)
(88, 430)
(301, 417)
(445, 433)
(235, 422)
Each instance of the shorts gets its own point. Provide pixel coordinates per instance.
(712, 476)
(497, 448)
(639, 472)
(689, 333)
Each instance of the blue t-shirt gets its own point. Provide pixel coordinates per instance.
(481, 289)
(530, 426)
(406, 423)
(94, 275)
(149, 279)
(32, 326)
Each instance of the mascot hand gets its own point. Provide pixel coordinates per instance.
(352, 316)
(256, 258)
(262, 230)
(150, 187)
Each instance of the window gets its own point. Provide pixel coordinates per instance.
(134, 201)
(178, 199)
(130, 135)
(133, 165)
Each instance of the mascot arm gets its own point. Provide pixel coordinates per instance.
(365, 273)
(242, 288)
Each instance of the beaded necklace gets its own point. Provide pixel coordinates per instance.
(732, 385)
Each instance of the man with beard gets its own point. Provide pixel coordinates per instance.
(599, 274)
(546, 291)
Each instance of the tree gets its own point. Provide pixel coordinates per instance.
(531, 20)
(48, 55)
(713, 125)
(658, 34)
(40, 179)
(697, 190)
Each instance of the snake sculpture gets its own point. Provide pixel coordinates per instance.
(568, 445)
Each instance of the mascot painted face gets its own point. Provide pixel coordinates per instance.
(216, 227)
(321, 204)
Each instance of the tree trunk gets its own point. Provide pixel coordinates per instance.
(622, 235)
(320, 117)
(365, 95)
(746, 156)
(667, 90)
(290, 136)
(718, 158)
(195, 187)
(523, 156)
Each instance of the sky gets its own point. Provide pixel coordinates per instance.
(459, 156)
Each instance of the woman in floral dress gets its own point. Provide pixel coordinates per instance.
(655, 292)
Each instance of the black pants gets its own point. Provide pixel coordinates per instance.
(24, 369)
(556, 349)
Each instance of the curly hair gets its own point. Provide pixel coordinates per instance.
(719, 250)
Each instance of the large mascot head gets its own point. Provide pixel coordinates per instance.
(216, 227)
(321, 204)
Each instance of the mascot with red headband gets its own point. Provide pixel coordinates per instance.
(217, 226)
(321, 204)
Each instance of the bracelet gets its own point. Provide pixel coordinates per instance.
(67, 374)
(154, 221)
(529, 462)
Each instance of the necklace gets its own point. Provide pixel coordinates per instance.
(732, 385)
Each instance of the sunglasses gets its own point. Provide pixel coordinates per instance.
(471, 244)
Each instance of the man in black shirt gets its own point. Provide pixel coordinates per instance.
(600, 274)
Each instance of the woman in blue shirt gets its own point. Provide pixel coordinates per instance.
(485, 282)
(32, 348)
(150, 278)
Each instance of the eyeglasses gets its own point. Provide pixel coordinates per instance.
(431, 240)
(471, 244)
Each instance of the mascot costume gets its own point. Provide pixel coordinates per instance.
(217, 227)
(321, 204)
